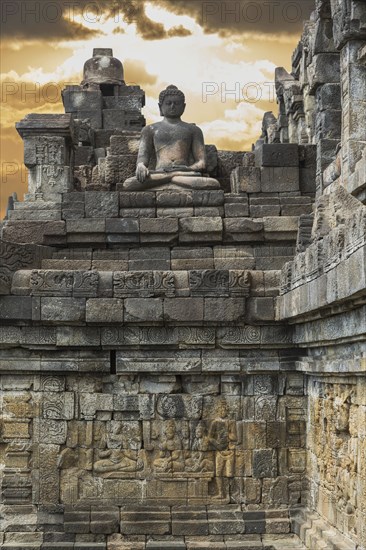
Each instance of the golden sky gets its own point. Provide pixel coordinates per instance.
(222, 54)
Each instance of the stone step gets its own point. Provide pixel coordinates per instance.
(317, 533)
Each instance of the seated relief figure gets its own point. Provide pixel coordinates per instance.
(178, 147)
(112, 461)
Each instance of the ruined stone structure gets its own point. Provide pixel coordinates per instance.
(185, 369)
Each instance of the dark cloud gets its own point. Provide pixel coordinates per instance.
(57, 19)
(119, 30)
(228, 17)
(60, 19)
(28, 19)
(179, 31)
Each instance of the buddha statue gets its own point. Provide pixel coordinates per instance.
(178, 147)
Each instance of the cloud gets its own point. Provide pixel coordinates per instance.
(83, 19)
(235, 130)
(78, 20)
(136, 73)
(178, 31)
(239, 16)
(27, 19)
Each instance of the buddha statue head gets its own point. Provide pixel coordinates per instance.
(172, 102)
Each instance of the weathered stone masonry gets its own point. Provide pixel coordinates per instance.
(186, 369)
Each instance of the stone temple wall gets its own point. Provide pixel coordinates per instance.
(186, 369)
(323, 288)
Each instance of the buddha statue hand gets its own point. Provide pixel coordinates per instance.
(142, 172)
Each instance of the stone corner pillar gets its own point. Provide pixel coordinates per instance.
(48, 154)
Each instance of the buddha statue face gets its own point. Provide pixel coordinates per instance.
(172, 106)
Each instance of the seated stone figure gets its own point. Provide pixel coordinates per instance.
(179, 149)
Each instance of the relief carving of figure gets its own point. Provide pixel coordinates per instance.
(113, 462)
(223, 438)
(170, 457)
(199, 460)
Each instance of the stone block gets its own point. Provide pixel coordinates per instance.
(149, 521)
(224, 309)
(323, 35)
(155, 258)
(200, 229)
(137, 213)
(211, 160)
(104, 310)
(105, 521)
(236, 210)
(232, 257)
(200, 225)
(242, 230)
(84, 155)
(101, 204)
(260, 211)
(208, 211)
(261, 309)
(117, 168)
(174, 199)
(236, 225)
(182, 252)
(141, 199)
(77, 336)
(279, 179)
(25, 232)
(207, 198)
(62, 309)
(165, 545)
(220, 360)
(192, 263)
(133, 101)
(329, 97)
(329, 124)
(118, 118)
(143, 309)
(175, 212)
(158, 225)
(226, 520)
(125, 225)
(88, 226)
(75, 100)
(324, 69)
(272, 282)
(264, 463)
(245, 179)
(95, 118)
(277, 155)
(183, 309)
(227, 162)
(33, 214)
(284, 224)
(189, 521)
(159, 361)
(16, 307)
(77, 521)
